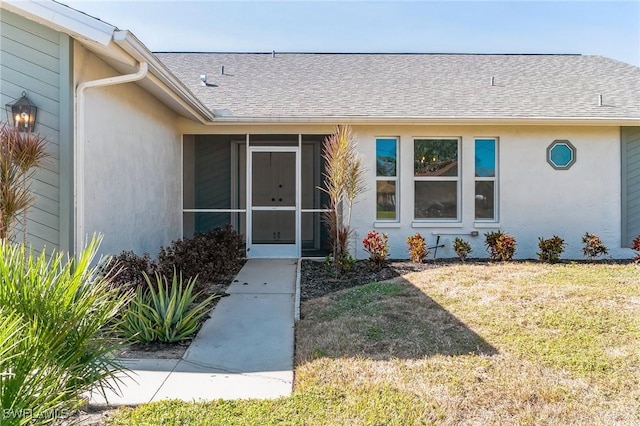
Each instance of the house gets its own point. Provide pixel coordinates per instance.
(153, 147)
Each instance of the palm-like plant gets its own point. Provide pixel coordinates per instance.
(21, 153)
(344, 180)
(56, 342)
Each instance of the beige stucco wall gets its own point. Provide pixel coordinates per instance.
(133, 163)
(535, 200)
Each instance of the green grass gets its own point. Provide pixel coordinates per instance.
(502, 343)
(384, 214)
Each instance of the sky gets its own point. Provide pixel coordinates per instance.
(607, 28)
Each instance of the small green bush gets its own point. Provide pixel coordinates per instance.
(500, 245)
(164, 313)
(210, 256)
(462, 248)
(550, 249)
(593, 246)
(56, 333)
(417, 247)
(377, 245)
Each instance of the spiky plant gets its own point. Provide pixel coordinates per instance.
(344, 180)
(56, 341)
(21, 153)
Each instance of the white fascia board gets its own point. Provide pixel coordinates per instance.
(134, 47)
(62, 18)
(509, 121)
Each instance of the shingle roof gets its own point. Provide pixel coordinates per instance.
(382, 86)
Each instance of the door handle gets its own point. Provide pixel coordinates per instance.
(273, 199)
(280, 199)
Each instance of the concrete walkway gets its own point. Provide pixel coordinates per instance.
(245, 350)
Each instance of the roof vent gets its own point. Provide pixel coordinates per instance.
(493, 81)
(600, 100)
(222, 70)
(203, 79)
(273, 54)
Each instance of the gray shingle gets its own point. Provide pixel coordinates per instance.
(307, 85)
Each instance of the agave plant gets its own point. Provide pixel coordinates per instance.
(21, 153)
(55, 338)
(164, 312)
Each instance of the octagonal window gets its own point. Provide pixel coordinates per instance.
(561, 154)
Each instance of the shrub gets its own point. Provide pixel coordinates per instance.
(344, 179)
(593, 247)
(462, 248)
(377, 245)
(128, 269)
(56, 341)
(165, 312)
(501, 246)
(635, 245)
(21, 153)
(210, 256)
(417, 247)
(550, 249)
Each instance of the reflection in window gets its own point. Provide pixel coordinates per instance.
(386, 178)
(436, 176)
(386, 157)
(436, 157)
(485, 176)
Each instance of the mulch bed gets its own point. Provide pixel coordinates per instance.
(317, 279)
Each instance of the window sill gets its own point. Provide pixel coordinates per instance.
(486, 225)
(415, 224)
(387, 225)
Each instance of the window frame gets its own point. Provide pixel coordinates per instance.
(494, 179)
(395, 178)
(457, 179)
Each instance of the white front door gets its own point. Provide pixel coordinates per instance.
(273, 215)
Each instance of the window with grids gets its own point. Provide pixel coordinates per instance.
(436, 178)
(387, 179)
(485, 179)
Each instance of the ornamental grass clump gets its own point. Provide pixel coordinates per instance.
(417, 247)
(343, 181)
(21, 153)
(165, 312)
(377, 245)
(56, 332)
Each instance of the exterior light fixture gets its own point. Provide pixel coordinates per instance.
(22, 114)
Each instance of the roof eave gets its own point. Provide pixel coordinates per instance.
(547, 121)
(63, 18)
(134, 47)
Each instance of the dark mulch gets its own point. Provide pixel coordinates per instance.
(317, 279)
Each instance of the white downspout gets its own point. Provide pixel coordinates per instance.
(79, 146)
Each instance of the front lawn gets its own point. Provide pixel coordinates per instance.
(497, 343)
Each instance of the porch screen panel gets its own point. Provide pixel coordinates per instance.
(209, 164)
(314, 237)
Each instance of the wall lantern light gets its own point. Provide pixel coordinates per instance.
(22, 114)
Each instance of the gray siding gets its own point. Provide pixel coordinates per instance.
(36, 59)
(630, 138)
